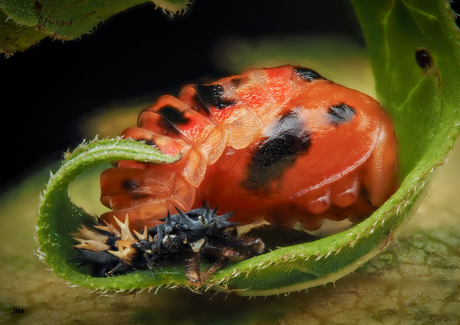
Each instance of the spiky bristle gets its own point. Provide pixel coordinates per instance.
(194, 235)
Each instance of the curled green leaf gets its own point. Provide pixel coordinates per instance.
(423, 101)
(58, 215)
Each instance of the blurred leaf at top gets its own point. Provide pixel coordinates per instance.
(24, 23)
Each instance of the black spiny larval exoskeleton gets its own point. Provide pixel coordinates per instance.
(199, 234)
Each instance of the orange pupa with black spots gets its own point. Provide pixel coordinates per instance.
(284, 144)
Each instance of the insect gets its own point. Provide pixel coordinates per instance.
(281, 143)
(284, 144)
(199, 234)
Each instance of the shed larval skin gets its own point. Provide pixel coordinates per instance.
(284, 144)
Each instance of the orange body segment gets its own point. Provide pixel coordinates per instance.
(284, 144)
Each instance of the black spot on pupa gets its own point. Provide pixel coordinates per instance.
(236, 81)
(200, 105)
(308, 74)
(213, 95)
(340, 113)
(423, 58)
(173, 115)
(130, 184)
(279, 151)
(171, 118)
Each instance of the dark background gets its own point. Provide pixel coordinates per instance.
(48, 89)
